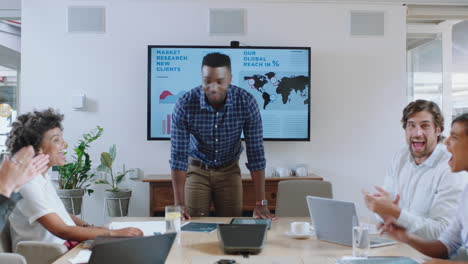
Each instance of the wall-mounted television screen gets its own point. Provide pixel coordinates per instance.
(278, 77)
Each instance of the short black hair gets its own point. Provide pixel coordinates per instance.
(29, 129)
(216, 59)
(463, 118)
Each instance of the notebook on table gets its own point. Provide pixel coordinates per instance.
(376, 260)
(199, 227)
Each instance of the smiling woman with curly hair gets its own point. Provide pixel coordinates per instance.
(29, 129)
(41, 215)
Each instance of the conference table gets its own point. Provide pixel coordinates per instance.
(196, 247)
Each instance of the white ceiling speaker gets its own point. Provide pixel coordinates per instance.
(87, 19)
(367, 23)
(227, 21)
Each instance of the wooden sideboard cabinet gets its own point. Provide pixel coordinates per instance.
(161, 193)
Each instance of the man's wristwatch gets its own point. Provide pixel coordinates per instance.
(261, 203)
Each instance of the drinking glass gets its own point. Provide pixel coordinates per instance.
(361, 241)
(173, 218)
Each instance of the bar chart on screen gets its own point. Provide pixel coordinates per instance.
(166, 125)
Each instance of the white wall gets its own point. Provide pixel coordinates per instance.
(358, 83)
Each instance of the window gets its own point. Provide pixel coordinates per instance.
(437, 65)
(460, 68)
(424, 64)
(10, 36)
(8, 105)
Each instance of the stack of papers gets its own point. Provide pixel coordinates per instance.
(376, 260)
(82, 257)
(149, 228)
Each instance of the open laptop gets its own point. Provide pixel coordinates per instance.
(141, 250)
(241, 239)
(334, 220)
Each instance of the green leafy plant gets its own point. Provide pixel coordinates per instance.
(106, 166)
(76, 174)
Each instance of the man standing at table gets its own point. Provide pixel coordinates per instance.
(207, 123)
(455, 236)
(425, 192)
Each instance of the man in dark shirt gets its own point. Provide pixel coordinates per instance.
(207, 123)
(15, 172)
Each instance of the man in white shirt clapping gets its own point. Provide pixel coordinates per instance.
(419, 192)
(455, 236)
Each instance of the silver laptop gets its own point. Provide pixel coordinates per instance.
(334, 220)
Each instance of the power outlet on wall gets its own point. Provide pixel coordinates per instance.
(54, 174)
(134, 173)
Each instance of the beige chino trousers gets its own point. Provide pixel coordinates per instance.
(222, 186)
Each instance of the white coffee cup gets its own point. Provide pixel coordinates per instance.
(300, 228)
(283, 172)
(301, 171)
(271, 172)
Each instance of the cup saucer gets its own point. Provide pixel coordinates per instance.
(299, 236)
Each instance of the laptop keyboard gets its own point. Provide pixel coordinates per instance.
(379, 240)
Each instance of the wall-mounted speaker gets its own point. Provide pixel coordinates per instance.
(227, 21)
(87, 19)
(367, 23)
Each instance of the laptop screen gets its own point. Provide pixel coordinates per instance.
(141, 250)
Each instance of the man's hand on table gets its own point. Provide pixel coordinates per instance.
(262, 212)
(185, 213)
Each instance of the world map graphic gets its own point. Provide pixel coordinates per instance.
(272, 84)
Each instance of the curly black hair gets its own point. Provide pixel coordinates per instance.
(30, 128)
(463, 119)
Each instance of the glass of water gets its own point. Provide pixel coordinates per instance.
(173, 218)
(361, 243)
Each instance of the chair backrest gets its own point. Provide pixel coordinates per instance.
(291, 198)
(12, 258)
(5, 237)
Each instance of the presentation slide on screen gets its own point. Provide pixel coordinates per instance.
(278, 79)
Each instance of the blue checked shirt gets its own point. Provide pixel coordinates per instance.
(214, 137)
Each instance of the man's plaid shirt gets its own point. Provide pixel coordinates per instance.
(214, 137)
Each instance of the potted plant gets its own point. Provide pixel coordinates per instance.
(117, 200)
(74, 176)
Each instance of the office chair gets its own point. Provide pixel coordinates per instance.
(292, 194)
(28, 252)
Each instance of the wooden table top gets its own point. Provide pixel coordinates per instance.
(190, 244)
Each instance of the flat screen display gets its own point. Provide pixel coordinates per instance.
(278, 78)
